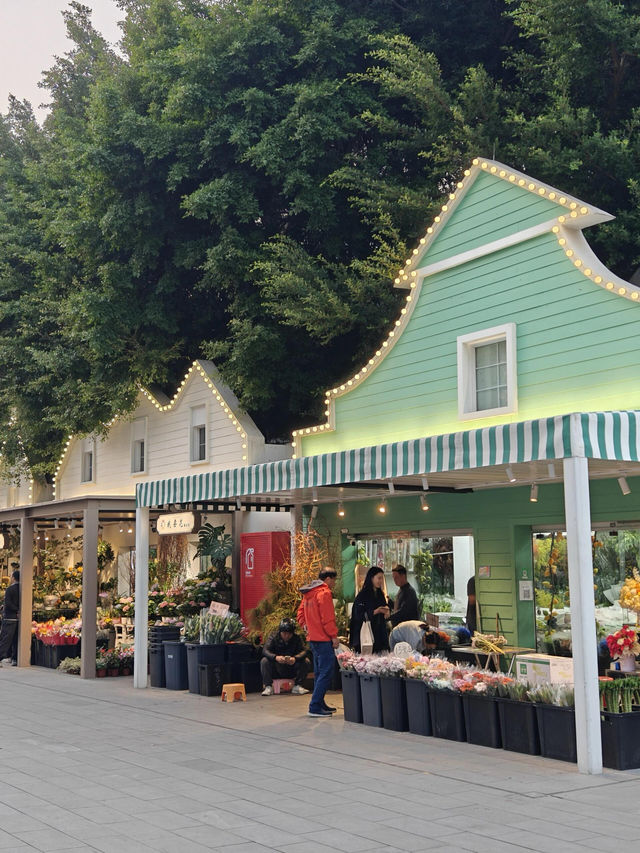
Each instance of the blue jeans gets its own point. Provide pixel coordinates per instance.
(323, 664)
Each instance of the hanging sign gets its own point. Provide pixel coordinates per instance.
(178, 522)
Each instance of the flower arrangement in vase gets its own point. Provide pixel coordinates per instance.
(623, 645)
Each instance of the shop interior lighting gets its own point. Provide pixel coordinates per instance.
(424, 506)
(510, 475)
(130, 530)
(122, 530)
(551, 470)
(382, 507)
(533, 497)
(314, 493)
(340, 510)
(624, 486)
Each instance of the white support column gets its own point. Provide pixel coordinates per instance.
(583, 615)
(89, 590)
(26, 592)
(142, 598)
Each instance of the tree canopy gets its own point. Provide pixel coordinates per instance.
(240, 180)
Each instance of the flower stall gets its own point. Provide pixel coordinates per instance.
(434, 697)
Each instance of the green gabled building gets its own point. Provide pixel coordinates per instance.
(504, 403)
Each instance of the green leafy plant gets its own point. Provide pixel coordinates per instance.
(216, 629)
(70, 666)
(192, 629)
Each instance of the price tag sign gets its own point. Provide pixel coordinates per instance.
(526, 590)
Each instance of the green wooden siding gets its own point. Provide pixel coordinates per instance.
(500, 521)
(491, 209)
(578, 347)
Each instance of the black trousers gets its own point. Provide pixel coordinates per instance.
(270, 670)
(9, 639)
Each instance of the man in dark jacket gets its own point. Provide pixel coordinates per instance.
(9, 630)
(284, 656)
(405, 608)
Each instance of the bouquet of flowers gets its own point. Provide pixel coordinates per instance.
(125, 606)
(216, 629)
(630, 593)
(385, 665)
(623, 642)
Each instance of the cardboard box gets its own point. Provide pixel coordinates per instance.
(544, 669)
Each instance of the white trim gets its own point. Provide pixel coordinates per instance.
(466, 346)
(487, 249)
(582, 256)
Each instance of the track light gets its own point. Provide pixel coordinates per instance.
(425, 484)
(382, 507)
(424, 506)
(238, 503)
(130, 530)
(314, 511)
(340, 510)
(510, 474)
(533, 497)
(624, 486)
(391, 487)
(122, 530)
(55, 524)
(314, 494)
(551, 470)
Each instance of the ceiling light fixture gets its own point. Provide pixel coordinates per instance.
(551, 470)
(314, 511)
(424, 506)
(533, 497)
(510, 474)
(382, 507)
(425, 484)
(314, 494)
(391, 487)
(340, 510)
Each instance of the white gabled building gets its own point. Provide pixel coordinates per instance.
(202, 429)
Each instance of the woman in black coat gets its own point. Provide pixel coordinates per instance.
(371, 602)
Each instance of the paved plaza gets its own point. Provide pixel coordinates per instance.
(99, 766)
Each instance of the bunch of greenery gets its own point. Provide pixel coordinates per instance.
(620, 696)
(70, 665)
(216, 629)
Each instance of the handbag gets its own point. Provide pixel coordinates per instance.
(366, 638)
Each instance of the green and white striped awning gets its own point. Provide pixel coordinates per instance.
(595, 435)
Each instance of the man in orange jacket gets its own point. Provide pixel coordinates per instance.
(317, 616)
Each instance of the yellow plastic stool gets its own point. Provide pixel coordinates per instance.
(231, 692)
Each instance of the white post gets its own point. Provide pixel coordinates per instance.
(583, 615)
(89, 590)
(26, 592)
(142, 597)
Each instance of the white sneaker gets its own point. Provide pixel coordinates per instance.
(268, 690)
(299, 690)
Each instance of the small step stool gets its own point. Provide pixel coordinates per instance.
(231, 691)
(282, 685)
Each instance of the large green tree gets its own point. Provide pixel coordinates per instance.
(243, 178)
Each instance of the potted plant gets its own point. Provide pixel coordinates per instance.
(101, 666)
(112, 659)
(70, 666)
(620, 724)
(351, 696)
(517, 714)
(125, 655)
(623, 646)
(447, 714)
(418, 713)
(478, 689)
(555, 715)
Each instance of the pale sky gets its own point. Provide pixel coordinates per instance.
(32, 32)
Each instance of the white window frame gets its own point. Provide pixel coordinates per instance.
(467, 344)
(135, 440)
(192, 428)
(88, 446)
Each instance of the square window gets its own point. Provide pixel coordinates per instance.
(487, 372)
